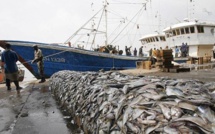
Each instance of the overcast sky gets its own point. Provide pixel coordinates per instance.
(54, 21)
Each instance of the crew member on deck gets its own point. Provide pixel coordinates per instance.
(127, 50)
(176, 51)
(141, 51)
(135, 51)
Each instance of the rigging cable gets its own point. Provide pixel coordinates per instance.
(81, 27)
(128, 23)
(93, 41)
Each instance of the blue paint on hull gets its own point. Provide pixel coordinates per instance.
(57, 58)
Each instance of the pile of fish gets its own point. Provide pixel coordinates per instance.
(111, 102)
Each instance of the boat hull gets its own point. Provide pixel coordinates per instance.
(57, 58)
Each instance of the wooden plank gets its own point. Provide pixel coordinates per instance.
(139, 64)
(168, 66)
(165, 70)
(177, 70)
(183, 69)
(167, 57)
(173, 70)
(148, 64)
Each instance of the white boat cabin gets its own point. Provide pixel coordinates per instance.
(199, 36)
(152, 41)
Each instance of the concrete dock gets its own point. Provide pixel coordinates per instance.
(205, 75)
(35, 110)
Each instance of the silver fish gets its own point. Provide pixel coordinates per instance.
(147, 122)
(175, 112)
(173, 91)
(207, 113)
(166, 111)
(170, 130)
(136, 113)
(127, 112)
(150, 129)
(132, 127)
(196, 120)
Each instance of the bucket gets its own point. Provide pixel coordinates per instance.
(1, 77)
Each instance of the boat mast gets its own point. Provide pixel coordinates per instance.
(81, 28)
(105, 6)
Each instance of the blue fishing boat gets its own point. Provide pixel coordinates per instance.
(58, 57)
(72, 55)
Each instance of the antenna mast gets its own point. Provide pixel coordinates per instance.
(105, 6)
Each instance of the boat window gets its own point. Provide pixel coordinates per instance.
(182, 31)
(156, 39)
(167, 35)
(153, 39)
(192, 30)
(200, 29)
(177, 32)
(174, 32)
(147, 40)
(187, 30)
(162, 38)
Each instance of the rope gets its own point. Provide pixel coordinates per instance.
(127, 24)
(47, 56)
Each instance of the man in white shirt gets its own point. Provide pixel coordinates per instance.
(38, 58)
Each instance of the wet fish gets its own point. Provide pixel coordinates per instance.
(173, 91)
(207, 113)
(196, 120)
(147, 122)
(127, 112)
(132, 127)
(153, 96)
(136, 113)
(175, 112)
(166, 111)
(151, 129)
(170, 130)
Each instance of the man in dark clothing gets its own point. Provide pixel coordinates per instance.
(127, 50)
(183, 50)
(135, 51)
(141, 51)
(9, 59)
(150, 52)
